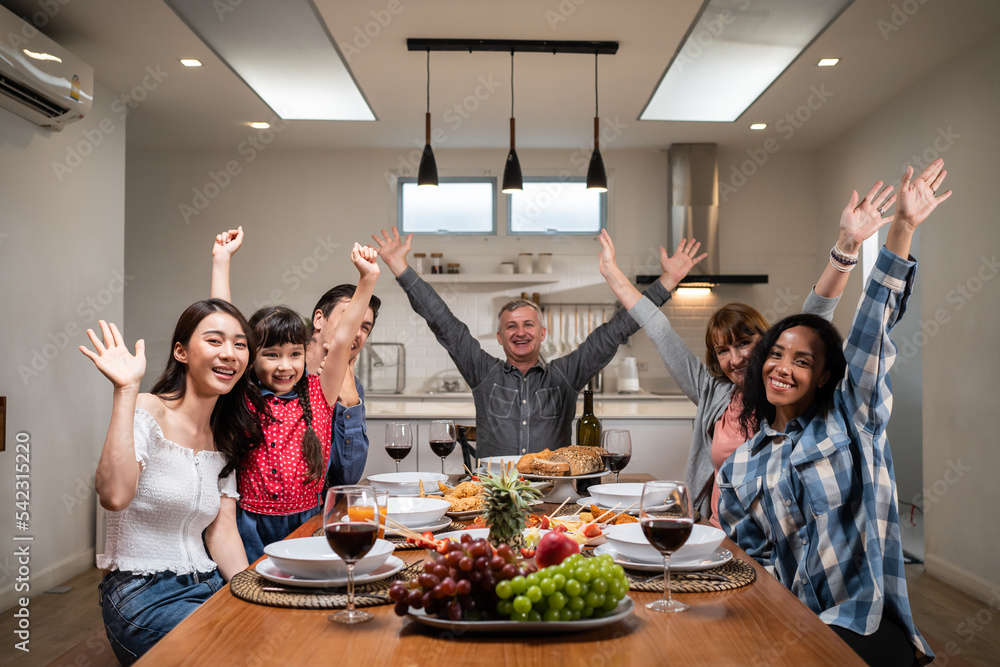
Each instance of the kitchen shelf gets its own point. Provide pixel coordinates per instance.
(500, 280)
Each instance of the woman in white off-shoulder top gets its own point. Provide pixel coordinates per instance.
(167, 473)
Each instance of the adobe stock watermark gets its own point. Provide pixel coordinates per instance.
(88, 310)
(47, 10)
(900, 14)
(944, 140)
(300, 271)
(787, 126)
(952, 475)
(363, 35)
(907, 347)
(252, 146)
(77, 152)
(455, 116)
(707, 31)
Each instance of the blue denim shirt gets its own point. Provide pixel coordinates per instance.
(817, 503)
(349, 443)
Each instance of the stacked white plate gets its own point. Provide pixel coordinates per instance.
(310, 562)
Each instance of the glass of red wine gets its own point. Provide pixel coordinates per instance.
(350, 521)
(443, 436)
(666, 518)
(398, 440)
(617, 443)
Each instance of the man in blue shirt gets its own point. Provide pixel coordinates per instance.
(349, 442)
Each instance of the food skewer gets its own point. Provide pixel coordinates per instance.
(554, 512)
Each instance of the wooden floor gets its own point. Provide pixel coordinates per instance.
(66, 629)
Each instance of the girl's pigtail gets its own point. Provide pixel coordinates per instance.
(312, 448)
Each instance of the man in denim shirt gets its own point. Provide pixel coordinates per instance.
(523, 404)
(349, 442)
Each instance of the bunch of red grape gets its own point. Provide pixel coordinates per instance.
(460, 584)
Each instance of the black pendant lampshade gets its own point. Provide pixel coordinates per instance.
(597, 177)
(427, 174)
(512, 179)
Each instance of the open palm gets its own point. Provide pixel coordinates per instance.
(859, 220)
(917, 196)
(683, 261)
(113, 359)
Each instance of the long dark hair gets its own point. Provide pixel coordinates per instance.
(278, 325)
(756, 407)
(234, 421)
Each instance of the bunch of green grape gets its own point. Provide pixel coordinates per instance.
(579, 587)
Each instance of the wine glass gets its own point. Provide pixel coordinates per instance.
(398, 440)
(442, 438)
(617, 442)
(350, 524)
(667, 530)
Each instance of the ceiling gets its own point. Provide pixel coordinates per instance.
(883, 49)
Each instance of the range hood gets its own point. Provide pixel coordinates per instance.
(694, 213)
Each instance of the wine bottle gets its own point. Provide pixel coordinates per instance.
(588, 434)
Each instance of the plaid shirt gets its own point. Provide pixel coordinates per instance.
(817, 503)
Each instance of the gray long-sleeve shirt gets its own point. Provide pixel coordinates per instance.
(519, 413)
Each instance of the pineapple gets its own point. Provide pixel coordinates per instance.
(506, 506)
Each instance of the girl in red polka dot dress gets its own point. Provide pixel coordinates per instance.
(281, 480)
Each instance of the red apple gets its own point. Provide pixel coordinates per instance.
(554, 548)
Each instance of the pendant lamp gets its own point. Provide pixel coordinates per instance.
(512, 180)
(428, 172)
(597, 177)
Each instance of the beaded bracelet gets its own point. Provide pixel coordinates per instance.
(841, 261)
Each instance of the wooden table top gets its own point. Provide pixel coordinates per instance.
(758, 624)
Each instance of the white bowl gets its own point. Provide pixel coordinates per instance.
(498, 464)
(628, 540)
(417, 512)
(312, 558)
(623, 495)
(407, 483)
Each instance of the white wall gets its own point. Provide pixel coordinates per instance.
(294, 205)
(61, 245)
(951, 114)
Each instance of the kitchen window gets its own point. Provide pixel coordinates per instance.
(458, 205)
(556, 206)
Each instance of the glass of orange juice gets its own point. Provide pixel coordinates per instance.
(382, 500)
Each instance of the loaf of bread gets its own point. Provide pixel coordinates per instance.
(581, 460)
(541, 466)
(524, 463)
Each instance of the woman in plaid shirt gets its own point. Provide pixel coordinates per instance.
(812, 496)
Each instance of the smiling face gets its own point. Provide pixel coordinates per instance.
(793, 370)
(521, 335)
(733, 356)
(279, 367)
(338, 310)
(216, 355)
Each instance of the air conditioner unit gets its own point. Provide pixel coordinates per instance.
(40, 80)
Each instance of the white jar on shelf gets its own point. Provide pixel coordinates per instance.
(524, 262)
(545, 262)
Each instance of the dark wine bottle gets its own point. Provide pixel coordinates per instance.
(588, 434)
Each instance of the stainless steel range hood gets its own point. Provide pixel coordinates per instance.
(694, 213)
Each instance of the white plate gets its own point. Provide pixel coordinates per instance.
(269, 571)
(437, 525)
(531, 475)
(472, 514)
(593, 541)
(719, 557)
(623, 609)
(587, 501)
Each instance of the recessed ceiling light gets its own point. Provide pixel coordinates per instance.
(260, 126)
(828, 62)
(190, 62)
(758, 126)
(731, 55)
(284, 52)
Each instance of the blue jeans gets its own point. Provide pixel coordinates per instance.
(259, 530)
(139, 609)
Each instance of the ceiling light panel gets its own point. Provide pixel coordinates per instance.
(283, 51)
(734, 50)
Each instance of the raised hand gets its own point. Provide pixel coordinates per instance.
(113, 359)
(227, 243)
(678, 266)
(608, 265)
(859, 220)
(918, 196)
(365, 259)
(392, 250)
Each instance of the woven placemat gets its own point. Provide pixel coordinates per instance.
(400, 542)
(738, 572)
(248, 584)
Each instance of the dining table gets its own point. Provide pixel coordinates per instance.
(761, 623)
